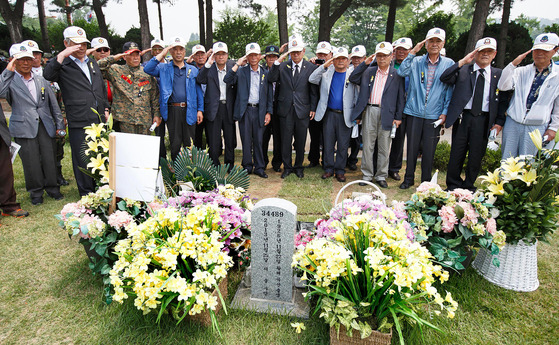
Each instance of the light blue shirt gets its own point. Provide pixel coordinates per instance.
(254, 95)
(82, 66)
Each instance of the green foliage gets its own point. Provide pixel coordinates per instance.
(194, 165)
(237, 30)
(532, 24)
(442, 155)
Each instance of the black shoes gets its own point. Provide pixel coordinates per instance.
(285, 173)
(277, 169)
(57, 196)
(405, 185)
(340, 177)
(261, 174)
(327, 175)
(382, 184)
(311, 165)
(352, 166)
(300, 173)
(37, 201)
(394, 176)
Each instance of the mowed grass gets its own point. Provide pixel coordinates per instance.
(48, 295)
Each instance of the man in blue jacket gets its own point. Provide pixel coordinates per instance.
(427, 103)
(181, 99)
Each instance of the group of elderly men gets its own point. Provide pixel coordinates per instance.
(337, 97)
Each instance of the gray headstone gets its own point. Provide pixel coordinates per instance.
(272, 235)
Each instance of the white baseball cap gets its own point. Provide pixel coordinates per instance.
(384, 48)
(324, 48)
(486, 43)
(177, 41)
(359, 51)
(99, 42)
(546, 41)
(295, 44)
(220, 47)
(198, 48)
(404, 42)
(436, 32)
(18, 51)
(75, 34)
(340, 52)
(157, 42)
(252, 48)
(32, 45)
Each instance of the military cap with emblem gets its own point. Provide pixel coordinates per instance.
(75, 34)
(295, 44)
(99, 42)
(547, 41)
(437, 33)
(384, 48)
(18, 51)
(177, 41)
(198, 48)
(324, 48)
(272, 50)
(404, 42)
(220, 47)
(33, 46)
(486, 43)
(359, 51)
(157, 42)
(340, 52)
(130, 47)
(252, 48)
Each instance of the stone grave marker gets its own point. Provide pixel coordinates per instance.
(271, 276)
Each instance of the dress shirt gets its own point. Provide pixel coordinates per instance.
(222, 86)
(37, 70)
(254, 95)
(431, 68)
(82, 66)
(486, 88)
(30, 84)
(378, 87)
(294, 67)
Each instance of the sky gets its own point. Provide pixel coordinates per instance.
(181, 19)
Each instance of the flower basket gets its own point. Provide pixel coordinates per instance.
(376, 338)
(204, 318)
(518, 270)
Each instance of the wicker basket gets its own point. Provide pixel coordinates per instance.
(204, 317)
(376, 338)
(518, 270)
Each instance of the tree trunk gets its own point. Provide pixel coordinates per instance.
(68, 12)
(478, 24)
(201, 23)
(209, 24)
(13, 18)
(103, 29)
(389, 35)
(144, 26)
(160, 18)
(326, 20)
(502, 44)
(43, 24)
(282, 21)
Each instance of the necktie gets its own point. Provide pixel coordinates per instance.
(296, 73)
(477, 102)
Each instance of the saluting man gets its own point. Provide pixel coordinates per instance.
(135, 93)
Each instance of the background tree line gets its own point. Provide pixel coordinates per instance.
(342, 22)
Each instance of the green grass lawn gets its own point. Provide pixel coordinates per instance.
(48, 295)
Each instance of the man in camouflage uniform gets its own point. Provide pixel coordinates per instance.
(135, 93)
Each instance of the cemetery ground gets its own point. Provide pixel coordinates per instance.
(48, 295)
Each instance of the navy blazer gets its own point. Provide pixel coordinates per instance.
(464, 79)
(26, 112)
(78, 93)
(302, 94)
(393, 95)
(210, 77)
(241, 78)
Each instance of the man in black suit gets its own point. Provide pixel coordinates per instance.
(8, 203)
(271, 54)
(297, 100)
(219, 99)
(253, 106)
(477, 100)
(379, 106)
(82, 86)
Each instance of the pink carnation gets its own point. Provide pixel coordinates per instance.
(470, 214)
(302, 238)
(448, 217)
(462, 194)
(491, 226)
(119, 219)
(428, 186)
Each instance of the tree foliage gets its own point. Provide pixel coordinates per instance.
(237, 30)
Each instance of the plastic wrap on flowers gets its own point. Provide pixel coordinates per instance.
(173, 261)
(367, 273)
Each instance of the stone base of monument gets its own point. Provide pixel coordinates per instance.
(242, 300)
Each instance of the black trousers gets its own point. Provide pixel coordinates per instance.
(213, 134)
(160, 132)
(336, 140)
(354, 146)
(59, 147)
(315, 132)
(85, 183)
(251, 139)
(421, 134)
(273, 129)
(293, 130)
(397, 149)
(7, 192)
(469, 137)
(181, 134)
(38, 157)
